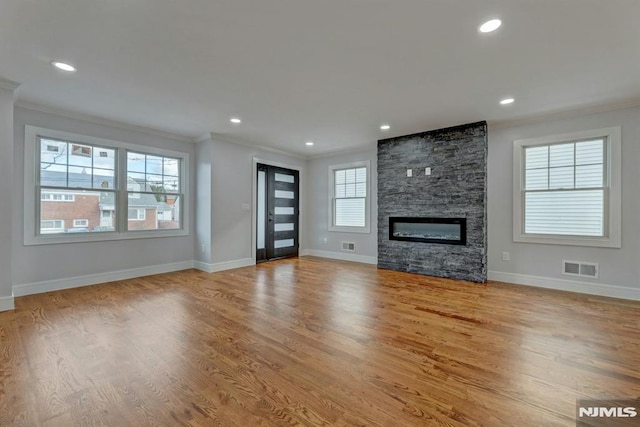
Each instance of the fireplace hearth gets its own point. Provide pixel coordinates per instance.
(450, 231)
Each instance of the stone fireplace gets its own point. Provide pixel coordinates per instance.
(432, 213)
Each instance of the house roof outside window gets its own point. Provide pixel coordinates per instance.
(107, 198)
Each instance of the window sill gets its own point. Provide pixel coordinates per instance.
(362, 230)
(56, 239)
(601, 242)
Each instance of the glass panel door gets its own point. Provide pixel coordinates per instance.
(277, 213)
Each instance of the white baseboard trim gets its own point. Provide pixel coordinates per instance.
(221, 266)
(567, 285)
(364, 259)
(6, 303)
(93, 279)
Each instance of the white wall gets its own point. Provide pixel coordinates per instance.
(618, 267)
(329, 243)
(6, 188)
(227, 232)
(203, 232)
(47, 263)
(224, 173)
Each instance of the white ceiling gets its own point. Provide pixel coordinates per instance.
(330, 71)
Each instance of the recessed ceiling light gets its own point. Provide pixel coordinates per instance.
(64, 66)
(385, 127)
(235, 120)
(308, 143)
(507, 101)
(490, 26)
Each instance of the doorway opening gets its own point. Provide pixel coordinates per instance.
(277, 212)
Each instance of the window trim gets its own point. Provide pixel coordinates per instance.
(613, 208)
(85, 223)
(138, 216)
(31, 212)
(367, 204)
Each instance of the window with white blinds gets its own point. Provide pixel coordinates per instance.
(565, 186)
(569, 189)
(349, 197)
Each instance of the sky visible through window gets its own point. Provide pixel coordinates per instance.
(161, 174)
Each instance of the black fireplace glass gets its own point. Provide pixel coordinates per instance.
(428, 229)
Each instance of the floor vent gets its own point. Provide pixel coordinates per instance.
(580, 268)
(349, 246)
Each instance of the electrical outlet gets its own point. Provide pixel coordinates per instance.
(506, 256)
(409, 173)
(203, 248)
(427, 171)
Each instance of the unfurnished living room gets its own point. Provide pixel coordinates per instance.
(358, 212)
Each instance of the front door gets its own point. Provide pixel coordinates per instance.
(277, 213)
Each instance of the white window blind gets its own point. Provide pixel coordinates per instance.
(350, 195)
(565, 188)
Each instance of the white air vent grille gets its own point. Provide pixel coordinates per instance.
(348, 246)
(580, 268)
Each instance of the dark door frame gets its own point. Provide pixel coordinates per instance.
(254, 196)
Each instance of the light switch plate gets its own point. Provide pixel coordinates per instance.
(427, 171)
(409, 172)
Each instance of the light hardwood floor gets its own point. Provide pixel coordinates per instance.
(312, 342)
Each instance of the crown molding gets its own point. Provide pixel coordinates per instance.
(212, 136)
(8, 84)
(101, 121)
(566, 113)
(233, 140)
(357, 149)
(455, 128)
(202, 138)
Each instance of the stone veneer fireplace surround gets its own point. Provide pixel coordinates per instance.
(456, 188)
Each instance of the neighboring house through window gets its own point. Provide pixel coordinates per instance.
(154, 184)
(349, 197)
(567, 189)
(111, 190)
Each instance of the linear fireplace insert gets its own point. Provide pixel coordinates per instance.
(450, 231)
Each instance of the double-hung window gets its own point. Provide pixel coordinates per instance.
(349, 197)
(567, 189)
(153, 186)
(81, 175)
(80, 188)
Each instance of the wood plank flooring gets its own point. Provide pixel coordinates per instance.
(312, 342)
